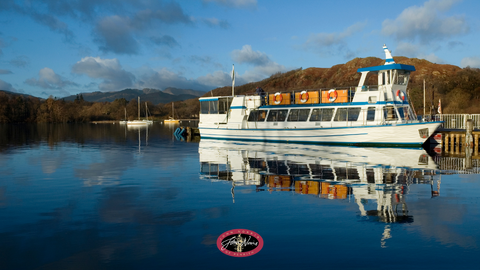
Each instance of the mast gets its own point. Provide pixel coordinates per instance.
(146, 110)
(138, 108)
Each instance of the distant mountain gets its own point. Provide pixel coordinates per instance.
(153, 95)
(177, 91)
(15, 94)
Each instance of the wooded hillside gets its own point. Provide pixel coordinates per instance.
(458, 88)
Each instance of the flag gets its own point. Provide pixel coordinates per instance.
(440, 106)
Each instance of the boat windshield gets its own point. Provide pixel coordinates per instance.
(390, 113)
(257, 116)
(405, 113)
(216, 106)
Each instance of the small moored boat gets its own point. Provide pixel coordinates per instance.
(171, 120)
(379, 114)
(139, 122)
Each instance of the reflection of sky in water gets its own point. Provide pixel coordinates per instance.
(108, 205)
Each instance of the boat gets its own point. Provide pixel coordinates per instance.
(172, 120)
(140, 122)
(363, 115)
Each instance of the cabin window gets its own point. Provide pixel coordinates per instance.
(217, 106)
(204, 107)
(405, 113)
(213, 106)
(224, 105)
(300, 115)
(321, 115)
(277, 115)
(371, 114)
(347, 114)
(209, 107)
(257, 116)
(401, 77)
(389, 113)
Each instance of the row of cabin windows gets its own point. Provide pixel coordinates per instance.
(302, 115)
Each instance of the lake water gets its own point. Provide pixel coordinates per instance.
(106, 197)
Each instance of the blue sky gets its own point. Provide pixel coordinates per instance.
(61, 48)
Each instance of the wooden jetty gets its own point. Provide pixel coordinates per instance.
(458, 142)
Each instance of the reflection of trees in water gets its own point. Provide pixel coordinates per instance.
(15, 135)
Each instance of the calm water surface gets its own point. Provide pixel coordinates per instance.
(104, 197)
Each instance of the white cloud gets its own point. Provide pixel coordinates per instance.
(247, 55)
(217, 79)
(48, 79)
(109, 70)
(426, 23)
(473, 61)
(263, 65)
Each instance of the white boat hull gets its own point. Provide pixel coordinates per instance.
(400, 134)
(139, 123)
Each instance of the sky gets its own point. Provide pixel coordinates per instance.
(61, 48)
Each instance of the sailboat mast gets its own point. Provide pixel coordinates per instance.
(146, 110)
(138, 108)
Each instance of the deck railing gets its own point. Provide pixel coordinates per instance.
(456, 121)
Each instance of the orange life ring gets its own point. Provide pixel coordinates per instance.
(278, 98)
(304, 96)
(401, 95)
(333, 97)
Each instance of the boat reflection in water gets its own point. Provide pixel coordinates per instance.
(377, 179)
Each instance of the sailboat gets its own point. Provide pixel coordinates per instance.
(140, 122)
(172, 119)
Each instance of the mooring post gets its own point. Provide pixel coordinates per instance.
(468, 133)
